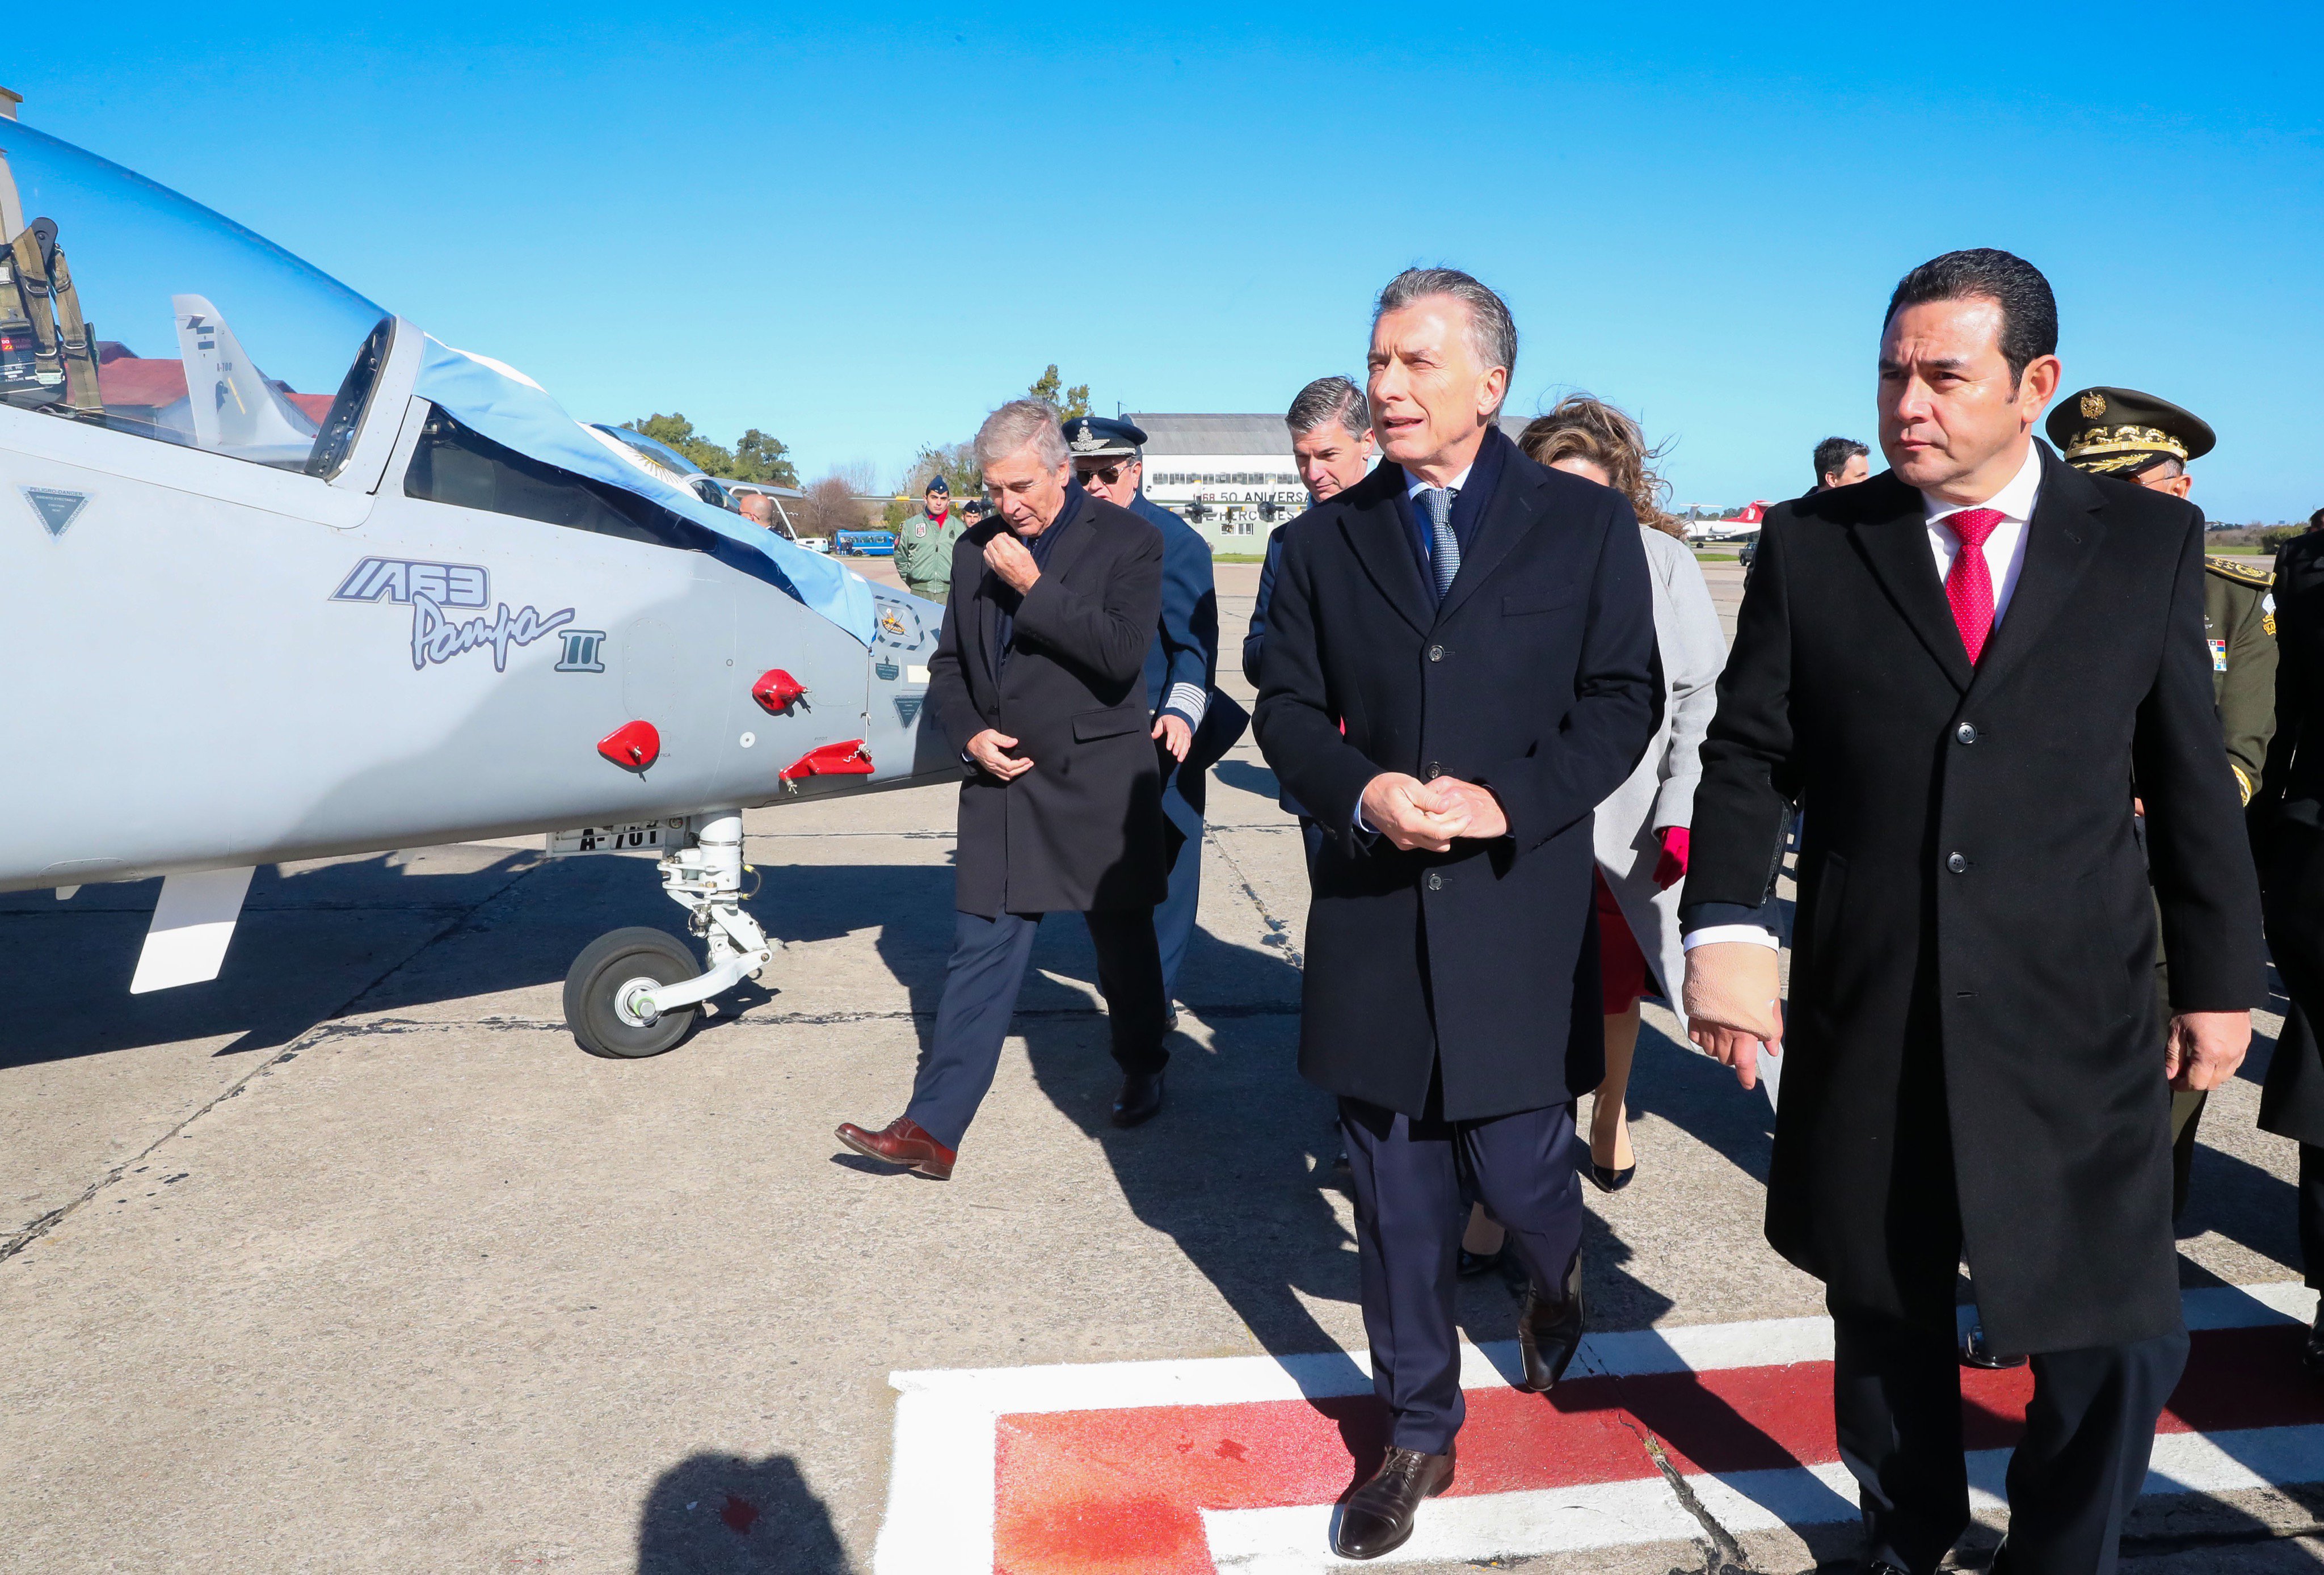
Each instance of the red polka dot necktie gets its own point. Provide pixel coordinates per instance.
(1970, 586)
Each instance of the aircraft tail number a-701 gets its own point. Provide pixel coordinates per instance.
(331, 586)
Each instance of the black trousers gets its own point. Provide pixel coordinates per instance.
(2311, 1213)
(1896, 1391)
(987, 969)
(2073, 1477)
(1409, 1216)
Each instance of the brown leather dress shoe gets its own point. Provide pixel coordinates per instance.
(1378, 1517)
(903, 1141)
(1549, 1332)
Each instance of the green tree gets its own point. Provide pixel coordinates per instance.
(760, 458)
(1070, 401)
(679, 432)
(755, 457)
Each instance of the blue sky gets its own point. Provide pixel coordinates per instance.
(860, 227)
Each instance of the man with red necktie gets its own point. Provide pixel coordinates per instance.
(1956, 670)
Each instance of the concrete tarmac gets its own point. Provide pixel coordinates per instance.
(350, 1260)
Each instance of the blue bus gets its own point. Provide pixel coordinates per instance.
(864, 543)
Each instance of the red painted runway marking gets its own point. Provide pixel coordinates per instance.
(1096, 1492)
(1164, 1467)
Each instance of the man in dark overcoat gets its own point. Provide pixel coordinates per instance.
(1038, 681)
(1956, 670)
(2288, 829)
(1459, 664)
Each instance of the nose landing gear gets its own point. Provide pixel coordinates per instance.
(634, 992)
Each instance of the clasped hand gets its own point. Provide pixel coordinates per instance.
(1007, 556)
(1428, 815)
(989, 749)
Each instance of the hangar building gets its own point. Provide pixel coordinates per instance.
(1231, 477)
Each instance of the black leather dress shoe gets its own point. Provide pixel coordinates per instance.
(1977, 1352)
(1882, 1567)
(2312, 1354)
(1549, 1332)
(1140, 1097)
(1378, 1517)
(1472, 1264)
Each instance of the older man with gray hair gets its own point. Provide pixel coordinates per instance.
(1038, 680)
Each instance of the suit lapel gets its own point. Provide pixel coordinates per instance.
(1077, 531)
(2067, 529)
(1897, 548)
(1509, 513)
(1377, 532)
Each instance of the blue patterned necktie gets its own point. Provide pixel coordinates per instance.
(1445, 555)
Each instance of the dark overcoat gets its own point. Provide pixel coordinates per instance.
(1972, 1012)
(1535, 677)
(2288, 825)
(1083, 829)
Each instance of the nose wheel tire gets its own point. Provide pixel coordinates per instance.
(601, 1006)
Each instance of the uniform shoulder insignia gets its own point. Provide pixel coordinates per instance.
(2241, 570)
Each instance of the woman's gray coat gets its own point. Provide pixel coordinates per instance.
(1661, 792)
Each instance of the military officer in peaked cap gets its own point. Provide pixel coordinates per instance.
(2134, 437)
(1194, 723)
(923, 543)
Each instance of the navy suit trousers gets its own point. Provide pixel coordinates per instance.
(1409, 1216)
(1174, 918)
(981, 980)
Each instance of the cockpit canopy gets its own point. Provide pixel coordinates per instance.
(125, 305)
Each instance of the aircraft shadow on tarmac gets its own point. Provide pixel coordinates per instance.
(713, 1512)
(394, 932)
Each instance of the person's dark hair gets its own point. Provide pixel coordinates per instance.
(2029, 311)
(1329, 399)
(1589, 429)
(2316, 521)
(1832, 454)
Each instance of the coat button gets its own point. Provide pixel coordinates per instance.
(1966, 734)
(1436, 882)
(1956, 863)
(1431, 772)
(1435, 653)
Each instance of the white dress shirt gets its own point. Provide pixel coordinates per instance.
(1416, 486)
(2004, 560)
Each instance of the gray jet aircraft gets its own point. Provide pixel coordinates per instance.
(286, 577)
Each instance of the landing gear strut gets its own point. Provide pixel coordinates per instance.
(633, 992)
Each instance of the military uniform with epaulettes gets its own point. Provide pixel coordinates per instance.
(2121, 433)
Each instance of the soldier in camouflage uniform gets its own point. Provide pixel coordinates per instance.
(924, 545)
(2134, 437)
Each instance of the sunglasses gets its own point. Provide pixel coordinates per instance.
(1108, 474)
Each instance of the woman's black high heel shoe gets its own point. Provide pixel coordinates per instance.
(1607, 1179)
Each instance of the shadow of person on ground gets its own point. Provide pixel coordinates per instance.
(714, 1513)
(1233, 1169)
